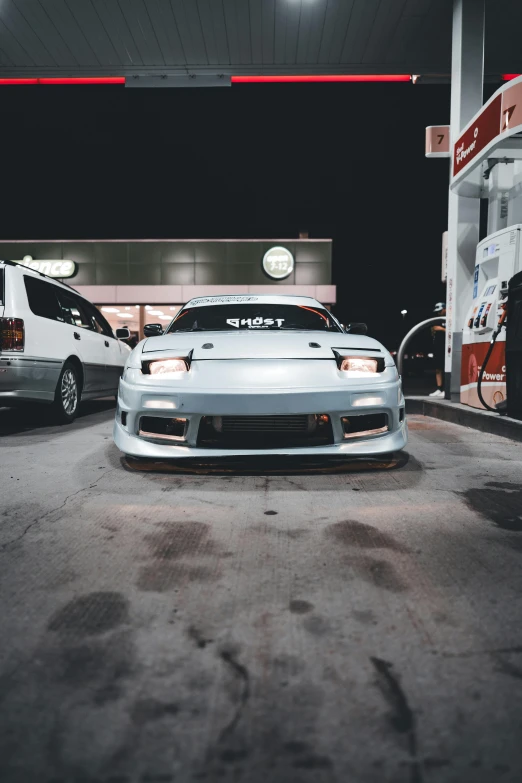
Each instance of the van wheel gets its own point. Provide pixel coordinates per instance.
(67, 395)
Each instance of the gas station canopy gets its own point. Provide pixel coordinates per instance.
(206, 42)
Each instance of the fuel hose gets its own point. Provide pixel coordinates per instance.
(486, 360)
(418, 328)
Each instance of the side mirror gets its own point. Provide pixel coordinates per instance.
(123, 333)
(152, 330)
(357, 329)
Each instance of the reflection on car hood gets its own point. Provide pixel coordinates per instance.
(262, 344)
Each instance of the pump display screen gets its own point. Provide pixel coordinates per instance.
(490, 250)
(490, 290)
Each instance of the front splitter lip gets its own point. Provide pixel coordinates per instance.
(383, 444)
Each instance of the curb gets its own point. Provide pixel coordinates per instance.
(481, 420)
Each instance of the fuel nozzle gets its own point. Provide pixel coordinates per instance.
(501, 320)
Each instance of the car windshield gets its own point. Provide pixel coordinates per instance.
(232, 317)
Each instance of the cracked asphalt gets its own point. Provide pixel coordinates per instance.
(262, 621)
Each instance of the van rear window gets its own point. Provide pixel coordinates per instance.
(42, 298)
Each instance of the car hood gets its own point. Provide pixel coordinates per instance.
(262, 345)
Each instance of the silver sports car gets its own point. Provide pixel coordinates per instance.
(258, 374)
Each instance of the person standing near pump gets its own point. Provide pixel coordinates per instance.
(439, 349)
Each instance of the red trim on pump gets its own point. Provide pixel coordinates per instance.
(383, 77)
(508, 76)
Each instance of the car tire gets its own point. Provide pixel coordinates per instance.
(67, 395)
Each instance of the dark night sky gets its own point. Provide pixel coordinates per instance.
(344, 161)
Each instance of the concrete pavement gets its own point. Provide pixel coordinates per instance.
(291, 623)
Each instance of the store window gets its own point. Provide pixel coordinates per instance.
(161, 314)
(135, 317)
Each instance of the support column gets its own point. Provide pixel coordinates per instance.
(141, 321)
(515, 200)
(500, 184)
(467, 78)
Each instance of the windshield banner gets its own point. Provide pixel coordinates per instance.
(255, 323)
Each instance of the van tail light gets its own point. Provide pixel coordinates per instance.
(12, 336)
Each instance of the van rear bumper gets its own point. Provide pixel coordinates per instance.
(26, 378)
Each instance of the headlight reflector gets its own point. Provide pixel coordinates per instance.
(359, 364)
(166, 367)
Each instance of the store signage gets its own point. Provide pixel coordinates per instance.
(438, 141)
(278, 263)
(49, 267)
(483, 130)
(511, 107)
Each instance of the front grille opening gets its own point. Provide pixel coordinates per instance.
(265, 432)
(401, 414)
(365, 426)
(124, 418)
(162, 428)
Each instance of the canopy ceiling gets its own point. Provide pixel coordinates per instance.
(210, 38)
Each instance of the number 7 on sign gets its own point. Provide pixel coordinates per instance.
(508, 113)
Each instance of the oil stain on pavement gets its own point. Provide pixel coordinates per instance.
(501, 502)
(95, 613)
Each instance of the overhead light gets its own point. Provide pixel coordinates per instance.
(148, 307)
(155, 312)
(127, 308)
(18, 81)
(404, 312)
(123, 315)
(68, 80)
(344, 77)
(165, 317)
(110, 309)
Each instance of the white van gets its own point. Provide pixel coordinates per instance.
(55, 346)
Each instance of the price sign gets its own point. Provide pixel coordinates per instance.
(438, 141)
(278, 263)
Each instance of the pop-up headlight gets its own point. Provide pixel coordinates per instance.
(359, 364)
(165, 368)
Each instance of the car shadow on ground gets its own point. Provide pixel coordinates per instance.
(15, 421)
(270, 465)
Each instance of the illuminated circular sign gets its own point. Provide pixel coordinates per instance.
(61, 269)
(278, 263)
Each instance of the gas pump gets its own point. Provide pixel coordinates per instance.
(514, 349)
(498, 259)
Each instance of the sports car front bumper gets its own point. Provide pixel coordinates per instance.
(142, 399)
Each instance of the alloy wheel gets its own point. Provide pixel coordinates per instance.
(69, 392)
